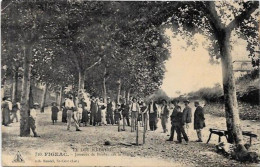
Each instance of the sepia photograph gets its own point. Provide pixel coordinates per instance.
(130, 83)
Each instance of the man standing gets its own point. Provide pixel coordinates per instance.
(110, 109)
(135, 109)
(186, 115)
(125, 113)
(199, 120)
(32, 119)
(93, 111)
(174, 118)
(179, 126)
(152, 110)
(164, 115)
(69, 104)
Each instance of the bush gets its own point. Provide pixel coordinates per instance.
(246, 111)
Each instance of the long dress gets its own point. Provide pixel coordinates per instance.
(5, 113)
(54, 113)
(84, 113)
(101, 114)
(64, 114)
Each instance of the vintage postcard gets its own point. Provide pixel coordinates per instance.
(130, 83)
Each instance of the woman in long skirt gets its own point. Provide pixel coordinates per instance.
(85, 118)
(6, 109)
(101, 112)
(64, 113)
(54, 113)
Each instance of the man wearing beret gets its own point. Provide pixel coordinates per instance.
(199, 120)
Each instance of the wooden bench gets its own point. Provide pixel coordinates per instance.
(222, 133)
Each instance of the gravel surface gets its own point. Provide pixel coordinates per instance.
(155, 152)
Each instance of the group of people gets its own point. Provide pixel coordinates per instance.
(9, 111)
(98, 112)
(95, 111)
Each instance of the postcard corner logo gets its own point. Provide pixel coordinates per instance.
(18, 158)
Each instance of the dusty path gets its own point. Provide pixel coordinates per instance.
(87, 146)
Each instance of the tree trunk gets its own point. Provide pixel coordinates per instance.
(123, 93)
(44, 97)
(81, 84)
(15, 86)
(104, 86)
(128, 95)
(60, 97)
(230, 98)
(24, 126)
(118, 90)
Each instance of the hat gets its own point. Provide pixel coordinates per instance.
(186, 101)
(36, 104)
(175, 100)
(8, 98)
(197, 102)
(164, 100)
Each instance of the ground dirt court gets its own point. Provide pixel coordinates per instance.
(86, 148)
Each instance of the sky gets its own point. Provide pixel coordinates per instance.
(189, 70)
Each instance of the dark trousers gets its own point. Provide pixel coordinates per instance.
(93, 119)
(153, 121)
(32, 126)
(181, 131)
(110, 119)
(173, 128)
(127, 120)
(14, 116)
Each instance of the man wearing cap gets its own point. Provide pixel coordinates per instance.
(174, 118)
(110, 109)
(186, 115)
(164, 115)
(69, 104)
(135, 109)
(32, 119)
(199, 120)
(152, 111)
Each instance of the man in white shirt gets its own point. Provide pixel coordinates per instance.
(69, 105)
(32, 119)
(135, 109)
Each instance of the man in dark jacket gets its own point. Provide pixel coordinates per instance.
(164, 115)
(186, 115)
(199, 120)
(93, 111)
(110, 119)
(174, 118)
(180, 126)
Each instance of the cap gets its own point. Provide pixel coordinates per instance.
(186, 101)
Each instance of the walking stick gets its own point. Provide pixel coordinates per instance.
(144, 129)
(136, 132)
(124, 123)
(118, 121)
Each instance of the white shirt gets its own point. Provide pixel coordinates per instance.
(162, 109)
(33, 113)
(134, 107)
(151, 108)
(69, 104)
